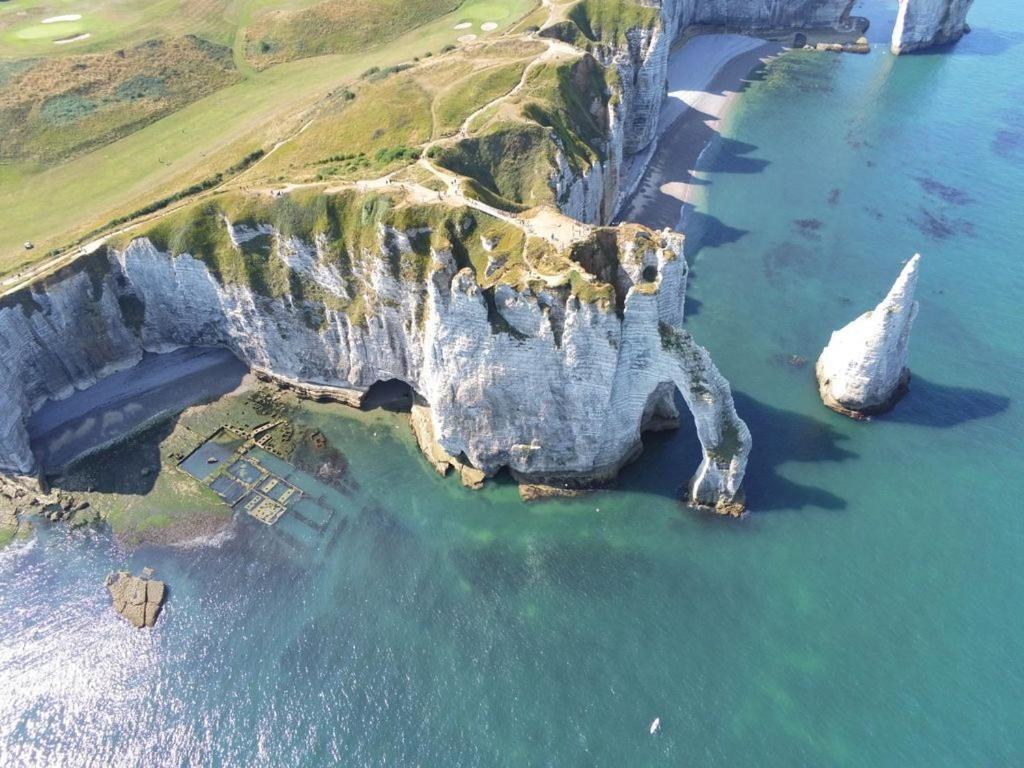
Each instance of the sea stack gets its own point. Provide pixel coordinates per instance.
(863, 369)
(925, 23)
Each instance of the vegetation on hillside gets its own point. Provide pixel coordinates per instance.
(335, 26)
(350, 140)
(53, 108)
(352, 232)
(603, 21)
(512, 153)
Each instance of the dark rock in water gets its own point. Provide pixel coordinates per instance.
(137, 599)
(940, 226)
(944, 191)
(809, 228)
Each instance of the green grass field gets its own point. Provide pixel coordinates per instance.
(53, 206)
(349, 140)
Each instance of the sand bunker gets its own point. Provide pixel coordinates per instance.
(487, 26)
(65, 17)
(463, 25)
(467, 38)
(75, 39)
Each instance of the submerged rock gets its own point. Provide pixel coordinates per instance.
(863, 369)
(137, 599)
(925, 23)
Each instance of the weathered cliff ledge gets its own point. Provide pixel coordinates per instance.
(549, 363)
(863, 369)
(926, 23)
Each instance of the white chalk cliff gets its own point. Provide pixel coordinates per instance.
(925, 23)
(552, 376)
(863, 370)
(555, 387)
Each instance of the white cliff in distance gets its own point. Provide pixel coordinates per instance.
(925, 23)
(863, 370)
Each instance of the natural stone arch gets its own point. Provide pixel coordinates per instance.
(724, 437)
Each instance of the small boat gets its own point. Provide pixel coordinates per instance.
(655, 725)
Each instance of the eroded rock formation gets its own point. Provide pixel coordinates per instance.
(548, 363)
(863, 369)
(926, 23)
(137, 599)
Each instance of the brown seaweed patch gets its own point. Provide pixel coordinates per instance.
(809, 228)
(785, 260)
(939, 226)
(952, 195)
(1009, 145)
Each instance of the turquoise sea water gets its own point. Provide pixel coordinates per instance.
(868, 612)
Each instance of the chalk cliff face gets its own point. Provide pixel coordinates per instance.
(863, 369)
(640, 60)
(643, 62)
(924, 23)
(552, 375)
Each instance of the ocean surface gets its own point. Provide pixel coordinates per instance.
(868, 612)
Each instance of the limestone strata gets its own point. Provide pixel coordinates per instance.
(553, 378)
(863, 370)
(926, 23)
(137, 599)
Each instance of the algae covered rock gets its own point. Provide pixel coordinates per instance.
(137, 599)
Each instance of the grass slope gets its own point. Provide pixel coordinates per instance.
(52, 108)
(335, 26)
(56, 205)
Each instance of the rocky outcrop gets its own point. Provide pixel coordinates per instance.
(863, 370)
(552, 374)
(926, 23)
(137, 599)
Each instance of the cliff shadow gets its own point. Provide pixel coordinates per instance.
(129, 467)
(783, 437)
(690, 141)
(392, 395)
(780, 437)
(704, 231)
(929, 404)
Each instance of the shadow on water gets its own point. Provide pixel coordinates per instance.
(781, 437)
(704, 231)
(936, 405)
(128, 468)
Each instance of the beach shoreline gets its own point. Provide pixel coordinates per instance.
(705, 75)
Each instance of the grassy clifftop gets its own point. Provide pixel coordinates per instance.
(356, 233)
(53, 108)
(603, 21)
(512, 152)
